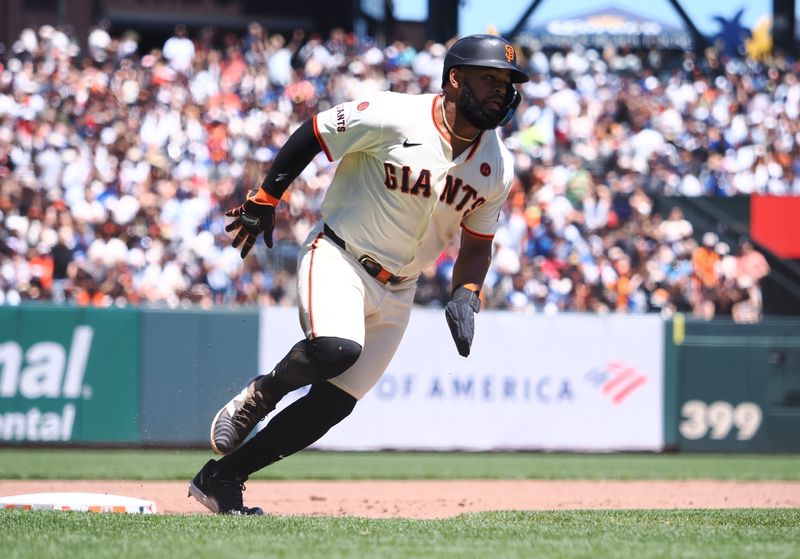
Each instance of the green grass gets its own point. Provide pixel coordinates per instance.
(182, 465)
(591, 534)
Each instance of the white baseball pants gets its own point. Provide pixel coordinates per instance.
(337, 297)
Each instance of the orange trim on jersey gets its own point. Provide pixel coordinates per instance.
(321, 141)
(441, 132)
(475, 146)
(476, 234)
(314, 246)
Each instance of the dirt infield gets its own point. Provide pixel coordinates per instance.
(441, 499)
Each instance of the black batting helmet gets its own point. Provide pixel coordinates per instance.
(483, 50)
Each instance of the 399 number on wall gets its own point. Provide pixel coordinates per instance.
(717, 419)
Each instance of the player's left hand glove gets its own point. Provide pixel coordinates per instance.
(460, 314)
(255, 216)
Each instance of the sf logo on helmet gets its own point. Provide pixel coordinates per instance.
(510, 53)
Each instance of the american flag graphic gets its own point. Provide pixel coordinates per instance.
(617, 380)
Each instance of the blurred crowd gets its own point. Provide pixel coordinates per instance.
(116, 167)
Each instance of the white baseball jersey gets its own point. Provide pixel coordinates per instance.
(397, 195)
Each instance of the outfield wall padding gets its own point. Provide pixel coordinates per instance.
(733, 387)
(193, 362)
(147, 376)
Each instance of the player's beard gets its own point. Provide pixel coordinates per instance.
(471, 109)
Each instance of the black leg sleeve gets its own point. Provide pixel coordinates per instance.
(294, 428)
(309, 362)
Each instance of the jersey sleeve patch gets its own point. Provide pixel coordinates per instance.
(348, 127)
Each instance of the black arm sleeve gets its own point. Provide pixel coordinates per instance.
(294, 156)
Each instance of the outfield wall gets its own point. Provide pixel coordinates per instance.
(733, 387)
(119, 376)
(69, 375)
(569, 382)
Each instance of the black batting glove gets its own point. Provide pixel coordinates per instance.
(460, 314)
(255, 216)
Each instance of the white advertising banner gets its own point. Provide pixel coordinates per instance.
(567, 382)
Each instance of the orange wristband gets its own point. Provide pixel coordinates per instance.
(263, 197)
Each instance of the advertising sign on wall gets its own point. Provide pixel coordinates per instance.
(568, 382)
(68, 375)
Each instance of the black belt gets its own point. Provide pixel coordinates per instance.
(371, 265)
(333, 236)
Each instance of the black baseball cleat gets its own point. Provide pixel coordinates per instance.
(237, 418)
(219, 494)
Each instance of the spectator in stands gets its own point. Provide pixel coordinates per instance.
(675, 228)
(705, 263)
(99, 41)
(750, 263)
(179, 51)
(63, 268)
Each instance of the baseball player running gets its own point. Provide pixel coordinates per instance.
(413, 170)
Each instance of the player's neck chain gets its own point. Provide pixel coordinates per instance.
(453, 132)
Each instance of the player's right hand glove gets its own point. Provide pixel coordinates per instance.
(255, 216)
(460, 314)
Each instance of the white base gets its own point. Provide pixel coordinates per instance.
(85, 502)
